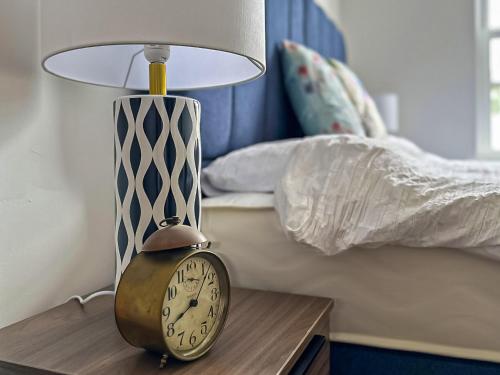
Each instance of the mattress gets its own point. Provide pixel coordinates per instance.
(431, 300)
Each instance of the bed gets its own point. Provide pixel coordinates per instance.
(431, 300)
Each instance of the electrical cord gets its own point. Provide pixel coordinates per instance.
(83, 301)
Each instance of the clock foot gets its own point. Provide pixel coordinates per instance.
(163, 361)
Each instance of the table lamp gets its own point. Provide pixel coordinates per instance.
(132, 44)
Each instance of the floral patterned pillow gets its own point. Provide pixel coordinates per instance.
(318, 97)
(370, 117)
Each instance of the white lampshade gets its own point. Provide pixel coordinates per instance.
(213, 42)
(388, 106)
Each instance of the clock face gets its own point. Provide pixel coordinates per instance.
(195, 306)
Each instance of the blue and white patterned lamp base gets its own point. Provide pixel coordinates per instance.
(157, 168)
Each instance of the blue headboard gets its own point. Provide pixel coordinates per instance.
(232, 118)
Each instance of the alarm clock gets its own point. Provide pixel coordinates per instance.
(173, 297)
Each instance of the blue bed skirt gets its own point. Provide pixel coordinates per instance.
(350, 359)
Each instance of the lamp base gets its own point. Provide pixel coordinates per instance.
(157, 168)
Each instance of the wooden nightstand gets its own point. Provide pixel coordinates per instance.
(266, 333)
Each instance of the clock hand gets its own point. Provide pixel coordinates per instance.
(181, 315)
(203, 282)
(192, 303)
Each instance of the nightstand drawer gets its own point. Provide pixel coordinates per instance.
(315, 359)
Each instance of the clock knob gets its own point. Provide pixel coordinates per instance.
(169, 221)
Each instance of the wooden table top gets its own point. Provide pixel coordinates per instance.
(265, 334)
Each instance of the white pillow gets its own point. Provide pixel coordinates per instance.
(256, 168)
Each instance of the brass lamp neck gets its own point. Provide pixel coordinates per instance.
(157, 55)
(157, 79)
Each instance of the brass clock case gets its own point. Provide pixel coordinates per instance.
(141, 292)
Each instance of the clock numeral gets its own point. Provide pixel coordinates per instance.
(192, 339)
(204, 328)
(191, 266)
(211, 312)
(166, 312)
(172, 292)
(214, 294)
(181, 334)
(203, 269)
(170, 330)
(180, 276)
(211, 278)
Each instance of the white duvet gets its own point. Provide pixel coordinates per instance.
(345, 191)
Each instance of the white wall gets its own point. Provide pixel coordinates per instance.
(56, 176)
(424, 51)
